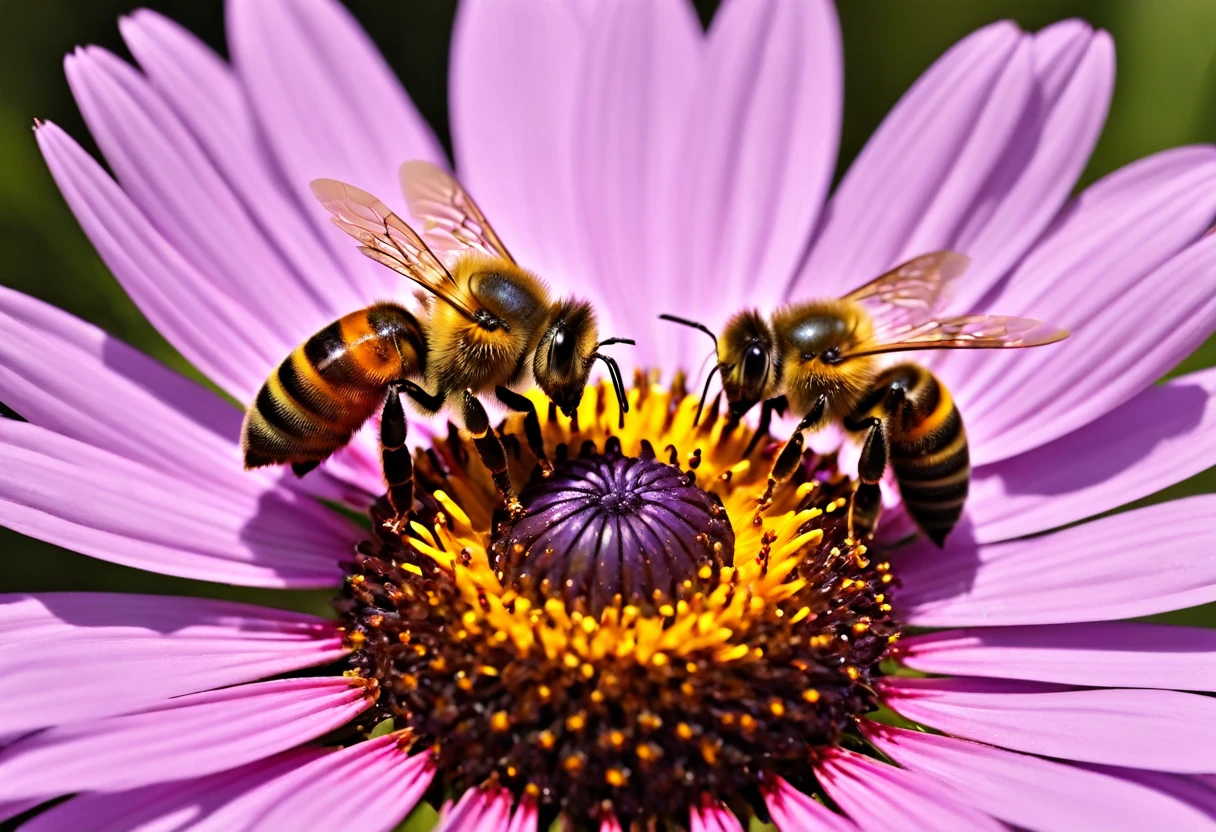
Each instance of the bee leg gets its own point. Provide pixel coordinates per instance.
(522, 404)
(396, 461)
(490, 449)
(791, 455)
(866, 504)
(778, 405)
(428, 402)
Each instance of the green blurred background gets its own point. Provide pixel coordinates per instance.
(1165, 96)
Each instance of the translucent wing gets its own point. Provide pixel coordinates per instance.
(453, 221)
(912, 293)
(384, 237)
(968, 332)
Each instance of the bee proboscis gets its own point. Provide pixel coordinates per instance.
(822, 359)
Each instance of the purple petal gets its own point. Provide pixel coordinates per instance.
(897, 176)
(1137, 563)
(168, 806)
(215, 333)
(1115, 727)
(12, 808)
(91, 501)
(514, 83)
(328, 105)
(713, 816)
(879, 796)
(123, 645)
(206, 95)
(190, 736)
(1118, 654)
(793, 811)
(1120, 271)
(638, 77)
(1029, 792)
(757, 155)
(1162, 436)
(1199, 792)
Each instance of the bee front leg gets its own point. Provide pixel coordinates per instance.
(431, 403)
(522, 404)
(791, 455)
(490, 449)
(866, 504)
(396, 461)
(777, 405)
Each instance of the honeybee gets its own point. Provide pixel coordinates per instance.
(821, 357)
(487, 324)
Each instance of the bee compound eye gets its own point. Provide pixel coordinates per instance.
(561, 351)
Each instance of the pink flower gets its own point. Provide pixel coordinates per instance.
(626, 156)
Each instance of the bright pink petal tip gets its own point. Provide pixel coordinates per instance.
(478, 810)
(793, 811)
(712, 816)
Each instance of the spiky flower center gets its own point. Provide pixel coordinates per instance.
(645, 635)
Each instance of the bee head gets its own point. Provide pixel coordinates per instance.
(562, 362)
(748, 360)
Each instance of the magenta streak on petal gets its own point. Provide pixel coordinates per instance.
(190, 736)
(137, 650)
(1115, 727)
(637, 79)
(1162, 436)
(1199, 792)
(206, 95)
(793, 811)
(1030, 792)
(758, 149)
(897, 174)
(167, 175)
(215, 333)
(329, 106)
(478, 810)
(514, 84)
(168, 806)
(1117, 271)
(67, 493)
(880, 797)
(370, 786)
(713, 816)
(1141, 562)
(1116, 654)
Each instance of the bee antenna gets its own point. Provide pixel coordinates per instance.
(705, 392)
(618, 383)
(609, 341)
(693, 324)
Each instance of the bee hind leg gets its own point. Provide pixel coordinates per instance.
(490, 449)
(866, 503)
(396, 461)
(522, 404)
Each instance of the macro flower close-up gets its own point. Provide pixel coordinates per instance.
(876, 528)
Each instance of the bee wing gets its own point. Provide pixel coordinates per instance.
(384, 237)
(967, 332)
(912, 292)
(453, 221)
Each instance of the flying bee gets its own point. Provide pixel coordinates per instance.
(487, 325)
(821, 357)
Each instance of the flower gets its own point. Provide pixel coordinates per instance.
(623, 153)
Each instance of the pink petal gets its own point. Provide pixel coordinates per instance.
(638, 77)
(1162, 436)
(1074, 74)
(123, 644)
(1137, 563)
(328, 105)
(879, 797)
(190, 736)
(793, 811)
(166, 807)
(214, 333)
(1115, 727)
(1118, 270)
(757, 155)
(898, 174)
(610, 825)
(371, 786)
(67, 493)
(169, 177)
(712, 816)
(1199, 792)
(1118, 654)
(478, 810)
(514, 85)
(206, 95)
(1029, 792)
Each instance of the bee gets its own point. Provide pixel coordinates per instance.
(487, 325)
(822, 359)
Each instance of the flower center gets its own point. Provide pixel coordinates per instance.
(611, 529)
(643, 636)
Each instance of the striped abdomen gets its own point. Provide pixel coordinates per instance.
(330, 385)
(927, 447)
